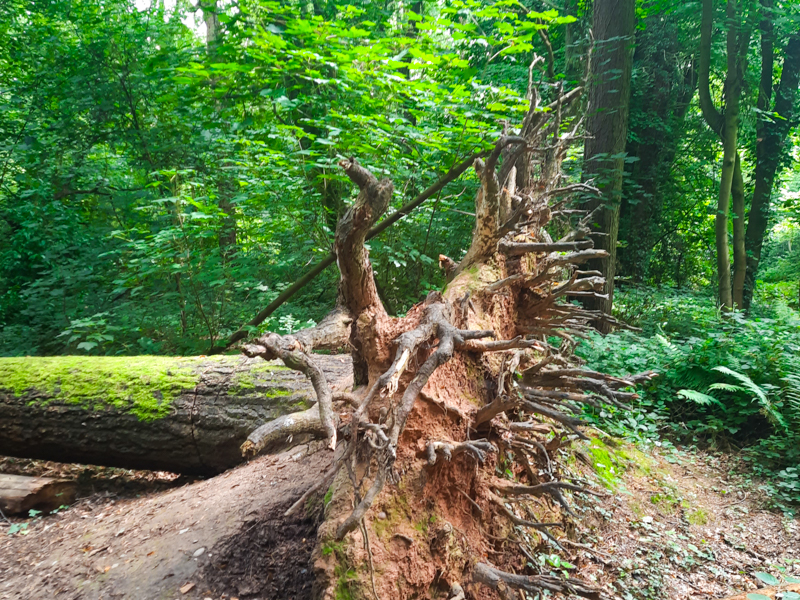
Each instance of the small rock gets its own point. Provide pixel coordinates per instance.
(647, 519)
(382, 516)
(182, 531)
(198, 552)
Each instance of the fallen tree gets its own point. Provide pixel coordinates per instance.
(160, 413)
(477, 380)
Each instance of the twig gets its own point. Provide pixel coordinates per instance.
(365, 533)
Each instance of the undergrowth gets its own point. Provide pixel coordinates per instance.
(731, 382)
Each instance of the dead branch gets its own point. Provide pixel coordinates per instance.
(282, 429)
(518, 249)
(289, 350)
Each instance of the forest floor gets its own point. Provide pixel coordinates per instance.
(675, 524)
(144, 536)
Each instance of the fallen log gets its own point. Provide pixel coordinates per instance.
(19, 493)
(186, 415)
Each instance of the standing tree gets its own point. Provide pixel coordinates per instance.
(775, 120)
(607, 128)
(726, 124)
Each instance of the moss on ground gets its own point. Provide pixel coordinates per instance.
(698, 517)
(142, 385)
(609, 464)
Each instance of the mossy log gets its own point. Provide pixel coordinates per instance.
(186, 415)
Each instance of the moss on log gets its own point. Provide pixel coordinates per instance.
(187, 415)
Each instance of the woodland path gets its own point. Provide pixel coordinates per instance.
(677, 525)
(148, 548)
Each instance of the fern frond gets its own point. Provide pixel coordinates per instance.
(727, 387)
(745, 380)
(698, 397)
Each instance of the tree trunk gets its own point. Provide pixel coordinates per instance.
(607, 127)
(170, 414)
(726, 125)
(658, 108)
(739, 255)
(770, 147)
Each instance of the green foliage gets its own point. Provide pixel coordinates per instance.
(157, 190)
(724, 380)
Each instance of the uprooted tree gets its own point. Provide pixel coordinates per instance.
(467, 378)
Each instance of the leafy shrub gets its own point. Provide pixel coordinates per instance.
(725, 380)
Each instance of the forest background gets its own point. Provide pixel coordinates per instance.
(168, 170)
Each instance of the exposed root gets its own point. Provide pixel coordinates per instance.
(504, 583)
(536, 389)
(477, 448)
(456, 592)
(291, 352)
(365, 535)
(282, 430)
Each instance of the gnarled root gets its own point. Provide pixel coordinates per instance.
(291, 352)
(504, 583)
(477, 448)
(283, 429)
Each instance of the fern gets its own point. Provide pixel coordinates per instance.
(727, 387)
(748, 385)
(698, 397)
(745, 380)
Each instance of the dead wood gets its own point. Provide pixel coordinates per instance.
(19, 494)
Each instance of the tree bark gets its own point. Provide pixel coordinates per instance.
(607, 125)
(83, 417)
(771, 135)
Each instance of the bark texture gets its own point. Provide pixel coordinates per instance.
(199, 432)
(607, 127)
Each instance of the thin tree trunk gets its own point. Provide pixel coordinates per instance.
(739, 255)
(726, 125)
(770, 147)
(607, 126)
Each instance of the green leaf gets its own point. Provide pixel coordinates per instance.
(698, 397)
(87, 346)
(757, 597)
(767, 578)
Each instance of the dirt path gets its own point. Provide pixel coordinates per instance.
(684, 525)
(149, 548)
